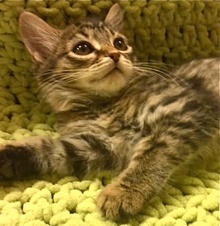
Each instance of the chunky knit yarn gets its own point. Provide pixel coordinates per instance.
(169, 31)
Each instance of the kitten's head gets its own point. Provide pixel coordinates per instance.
(91, 58)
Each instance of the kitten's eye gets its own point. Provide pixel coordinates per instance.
(119, 44)
(83, 48)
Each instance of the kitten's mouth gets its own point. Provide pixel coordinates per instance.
(115, 70)
(112, 72)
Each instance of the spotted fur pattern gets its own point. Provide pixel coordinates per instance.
(116, 114)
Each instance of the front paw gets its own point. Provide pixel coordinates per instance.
(15, 162)
(116, 201)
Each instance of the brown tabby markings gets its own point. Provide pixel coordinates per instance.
(116, 114)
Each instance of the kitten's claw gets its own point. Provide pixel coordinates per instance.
(116, 201)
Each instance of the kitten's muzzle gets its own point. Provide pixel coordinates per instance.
(114, 56)
(111, 52)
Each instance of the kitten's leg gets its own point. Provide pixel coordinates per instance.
(77, 156)
(145, 176)
(29, 157)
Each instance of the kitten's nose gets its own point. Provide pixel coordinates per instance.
(109, 51)
(114, 56)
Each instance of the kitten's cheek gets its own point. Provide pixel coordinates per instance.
(126, 73)
(126, 69)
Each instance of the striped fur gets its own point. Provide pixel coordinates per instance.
(140, 124)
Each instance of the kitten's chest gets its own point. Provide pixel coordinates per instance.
(107, 124)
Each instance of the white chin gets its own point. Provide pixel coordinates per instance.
(111, 83)
(114, 74)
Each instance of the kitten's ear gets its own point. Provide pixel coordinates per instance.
(38, 37)
(115, 17)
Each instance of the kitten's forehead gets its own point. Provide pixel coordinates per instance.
(95, 29)
(90, 30)
(95, 24)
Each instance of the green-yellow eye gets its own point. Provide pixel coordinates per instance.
(83, 48)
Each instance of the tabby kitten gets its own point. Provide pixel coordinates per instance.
(115, 114)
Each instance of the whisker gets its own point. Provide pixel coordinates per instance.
(163, 73)
(57, 72)
(159, 63)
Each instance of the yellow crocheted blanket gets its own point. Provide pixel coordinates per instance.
(169, 31)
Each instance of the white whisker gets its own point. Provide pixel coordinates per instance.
(156, 68)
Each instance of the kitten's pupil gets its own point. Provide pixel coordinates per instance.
(83, 48)
(120, 44)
